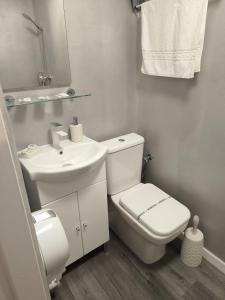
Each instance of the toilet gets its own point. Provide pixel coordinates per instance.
(143, 216)
(53, 245)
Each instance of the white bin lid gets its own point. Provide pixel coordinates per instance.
(139, 201)
(123, 142)
(165, 218)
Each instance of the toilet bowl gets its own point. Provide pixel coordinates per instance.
(146, 243)
(53, 245)
(143, 216)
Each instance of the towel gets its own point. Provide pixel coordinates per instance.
(173, 37)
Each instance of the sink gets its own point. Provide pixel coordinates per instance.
(51, 164)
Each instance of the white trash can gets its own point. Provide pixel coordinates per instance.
(53, 244)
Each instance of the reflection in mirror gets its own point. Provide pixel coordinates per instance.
(33, 48)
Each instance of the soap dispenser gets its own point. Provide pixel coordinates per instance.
(76, 131)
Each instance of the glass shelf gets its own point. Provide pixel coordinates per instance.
(41, 99)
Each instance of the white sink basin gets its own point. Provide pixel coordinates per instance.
(51, 165)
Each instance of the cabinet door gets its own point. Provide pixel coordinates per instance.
(68, 211)
(94, 216)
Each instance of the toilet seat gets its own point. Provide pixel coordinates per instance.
(159, 213)
(138, 201)
(165, 218)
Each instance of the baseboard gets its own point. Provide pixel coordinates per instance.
(214, 260)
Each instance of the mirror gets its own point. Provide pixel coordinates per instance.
(33, 48)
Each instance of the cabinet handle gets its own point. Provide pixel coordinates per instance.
(85, 225)
(77, 228)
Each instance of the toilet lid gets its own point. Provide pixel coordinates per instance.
(166, 217)
(138, 201)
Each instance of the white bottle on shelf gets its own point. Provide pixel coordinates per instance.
(76, 131)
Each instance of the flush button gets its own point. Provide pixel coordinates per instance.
(121, 140)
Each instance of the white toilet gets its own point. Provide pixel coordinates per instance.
(144, 217)
(53, 245)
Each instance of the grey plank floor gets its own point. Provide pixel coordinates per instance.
(119, 274)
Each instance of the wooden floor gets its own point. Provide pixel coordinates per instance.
(119, 274)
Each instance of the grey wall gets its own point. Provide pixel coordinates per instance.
(102, 46)
(183, 122)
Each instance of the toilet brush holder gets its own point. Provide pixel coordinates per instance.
(192, 246)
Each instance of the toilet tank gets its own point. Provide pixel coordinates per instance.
(124, 162)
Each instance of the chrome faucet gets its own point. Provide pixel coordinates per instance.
(57, 135)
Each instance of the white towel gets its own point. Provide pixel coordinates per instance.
(173, 37)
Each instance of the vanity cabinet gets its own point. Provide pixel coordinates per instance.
(84, 215)
(73, 185)
(80, 203)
